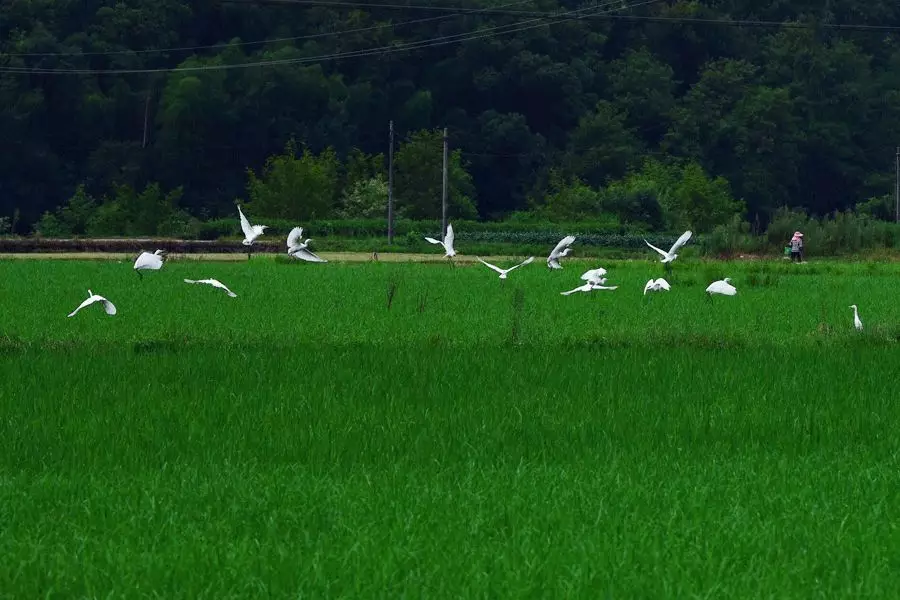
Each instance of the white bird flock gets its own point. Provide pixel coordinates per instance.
(594, 279)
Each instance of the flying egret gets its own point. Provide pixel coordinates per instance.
(669, 256)
(595, 276)
(561, 249)
(153, 262)
(251, 232)
(214, 283)
(505, 272)
(723, 286)
(447, 243)
(856, 322)
(300, 250)
(656, 285)
(108, 306)
(588, 287)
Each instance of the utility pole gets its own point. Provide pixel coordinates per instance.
(444, 192)
(391, 185)
(897, 186)
(146, 119)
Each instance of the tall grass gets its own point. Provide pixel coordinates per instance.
(382, 430)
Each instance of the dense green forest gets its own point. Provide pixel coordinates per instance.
(139, 116)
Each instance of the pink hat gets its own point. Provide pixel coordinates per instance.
(798, 234)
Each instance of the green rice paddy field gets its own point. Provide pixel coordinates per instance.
(476, 438)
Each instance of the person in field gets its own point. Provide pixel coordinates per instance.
(797, 247)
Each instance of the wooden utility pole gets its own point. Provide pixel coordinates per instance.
(391, 184)
(444, 192)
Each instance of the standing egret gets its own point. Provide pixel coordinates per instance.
(722, 286)
(251, 232)
(153, 262)
(300, 250)
(108, 306)
(856, 322)
(504, 272)
(561, 249)
(447, 243)
(214, 283)
(656, 285)
(669, 256)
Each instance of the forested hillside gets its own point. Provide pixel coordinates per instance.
(136, 116)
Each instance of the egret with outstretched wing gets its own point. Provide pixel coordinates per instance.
(505, 272)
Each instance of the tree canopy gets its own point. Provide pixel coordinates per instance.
(679, 117)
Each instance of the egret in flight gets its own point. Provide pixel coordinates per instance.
(656, 285)
(214, 283)
(561, 249)
(856, 322)
(300, 250)
(251, 232)
(147, 261)
(723, 286)
(595, 276)
(108, 306)
(505, 272)
(671, 255)
(447, 243)
(589, 287)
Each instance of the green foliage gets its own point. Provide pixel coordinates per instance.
(295, 188)
(883, 208)
(366, 199)
(786, 117)
(418, 178)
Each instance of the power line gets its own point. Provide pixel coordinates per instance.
(455, 12)
(404, 46)
(498, 10)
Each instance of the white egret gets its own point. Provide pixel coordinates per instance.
(671, 255)
(505, 272)
(656, 285)
(214, 283)
(723, 286)
(251, 232)
(561, 249)
(147, 261)
(595, 276)
(108, 306)
(856, 322)
(589, 287)
(300, 250)
(447, 243)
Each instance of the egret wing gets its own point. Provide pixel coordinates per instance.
(108, 306)
(87, 302)
(648, 285)
(448, 238)
(308, 256)
(663, 253)
(528, 260)
(294, 237)
(563, 243)
(663, 284)
(553, 263)
(490, 266)
(433, 241)
(680, 241)
(245, 225)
